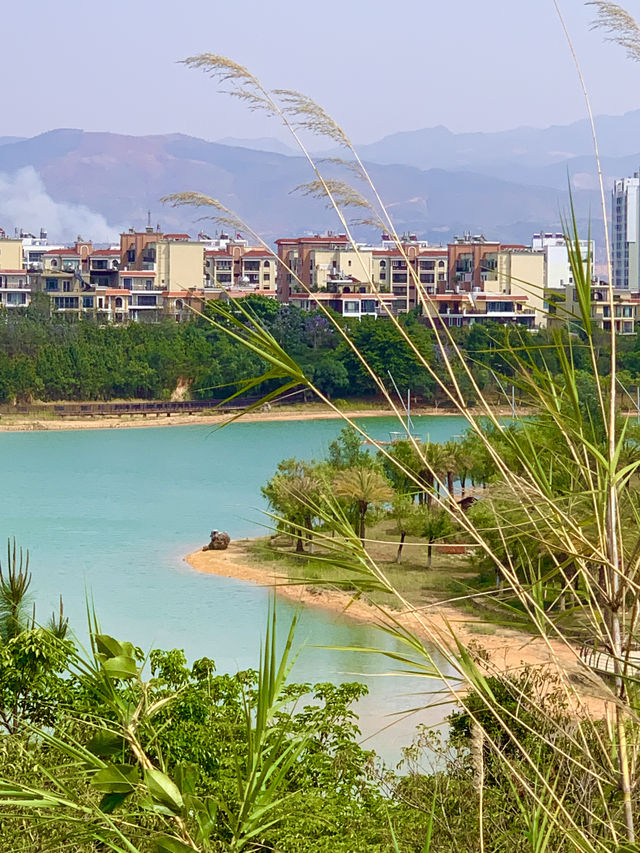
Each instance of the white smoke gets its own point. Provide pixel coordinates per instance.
(26, 204)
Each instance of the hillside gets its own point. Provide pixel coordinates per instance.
(121, 177)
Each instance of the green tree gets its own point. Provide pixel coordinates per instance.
(435, 524)
(294, 494)
(363, 486)
(408, 519)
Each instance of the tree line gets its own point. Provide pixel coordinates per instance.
(49, 357)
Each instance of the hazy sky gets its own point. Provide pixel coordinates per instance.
(378, 66)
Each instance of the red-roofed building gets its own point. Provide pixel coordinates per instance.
(240, 267)
(104, 265)
(322, 264)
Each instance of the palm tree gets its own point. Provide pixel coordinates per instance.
(451, 461)
(434, 466)
(364, 486)
(293, 492)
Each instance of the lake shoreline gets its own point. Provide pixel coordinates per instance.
(508, 649)
(33, 424)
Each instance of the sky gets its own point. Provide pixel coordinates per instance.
(377, 66)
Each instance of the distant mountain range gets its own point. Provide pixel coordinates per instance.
(436, 183)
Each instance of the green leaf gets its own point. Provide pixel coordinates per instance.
(186, 777)
(116, 779)
(163, 790)
(111, 801)
(108, 646)
(206, 815)
(171, 844)
(105, 744)
(121, 667)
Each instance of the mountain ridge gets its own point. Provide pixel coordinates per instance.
(121, 176)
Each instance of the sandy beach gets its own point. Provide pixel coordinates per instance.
(25, 423)
(508, 650)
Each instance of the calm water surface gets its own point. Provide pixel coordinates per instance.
(113, 512)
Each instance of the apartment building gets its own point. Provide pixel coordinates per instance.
(68, 292)
(145, 294)
(296, 268)
(330, 263)
(14, 279)
(15, 290)
(626, 308)
(236, 266)
(104, 266)
(625, 233)
(34, 248)
(406, 271)
(467, 307)
(10, 253)
(558, 273)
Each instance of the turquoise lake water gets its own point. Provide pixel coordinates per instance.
(113, 512)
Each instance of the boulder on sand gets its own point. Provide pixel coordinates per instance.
(219, 541)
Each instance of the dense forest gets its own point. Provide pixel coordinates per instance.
(45, 357)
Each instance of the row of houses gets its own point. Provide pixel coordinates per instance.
(152, 275)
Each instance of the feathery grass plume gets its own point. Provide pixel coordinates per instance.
(622, 28)
(241, 83)
(222, 215)
(352, 165)
(305, 113)
(336, 192)
(342, 193)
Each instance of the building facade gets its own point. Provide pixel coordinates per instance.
(625, 233)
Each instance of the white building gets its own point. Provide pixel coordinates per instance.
(34, 249)
(558, 272)
(625, 215)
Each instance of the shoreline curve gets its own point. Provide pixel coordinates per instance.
(508, 649)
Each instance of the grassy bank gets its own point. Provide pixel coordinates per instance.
(450, 578)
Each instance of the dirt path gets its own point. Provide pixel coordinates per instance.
(24, 423)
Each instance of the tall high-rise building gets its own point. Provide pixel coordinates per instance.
(625, 214)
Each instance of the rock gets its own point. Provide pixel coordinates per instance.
(219, 541)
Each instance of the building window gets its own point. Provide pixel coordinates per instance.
(126, 282)
(62, 302)
(399, 278)
(351, 306)
(51, 284)
(87, 301)
(66, 287)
